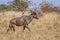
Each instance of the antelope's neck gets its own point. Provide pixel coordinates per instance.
(31, 18)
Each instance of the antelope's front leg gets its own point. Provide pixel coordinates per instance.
(26, 26)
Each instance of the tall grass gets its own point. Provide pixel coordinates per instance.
(47, 27)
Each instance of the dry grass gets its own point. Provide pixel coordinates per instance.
(46, 28)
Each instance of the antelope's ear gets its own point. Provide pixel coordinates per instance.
(31, 11)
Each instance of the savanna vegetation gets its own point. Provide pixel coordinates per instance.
(47, 27)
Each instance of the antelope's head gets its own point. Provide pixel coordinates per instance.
(35, 15)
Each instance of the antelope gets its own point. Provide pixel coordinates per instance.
(22, 21)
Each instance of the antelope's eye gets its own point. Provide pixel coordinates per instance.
(34, 13)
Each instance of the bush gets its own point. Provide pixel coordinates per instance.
(4, 7)
(46, 7)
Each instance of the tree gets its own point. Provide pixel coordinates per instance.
(20, 5)
(4, 7)
(46, 7)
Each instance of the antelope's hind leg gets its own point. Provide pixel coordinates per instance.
(8, 30)
(11, 27)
